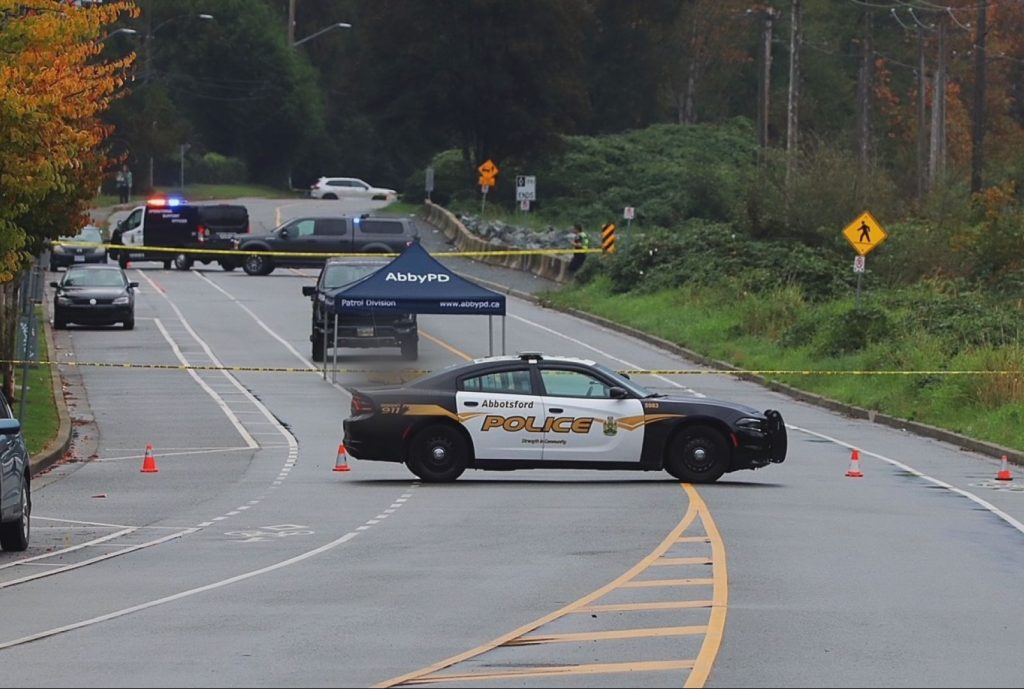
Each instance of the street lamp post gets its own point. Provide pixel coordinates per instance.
(338, 25)
(148, 47)
(181, 174)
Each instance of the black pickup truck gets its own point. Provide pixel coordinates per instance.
(356, 330)
(308, 241)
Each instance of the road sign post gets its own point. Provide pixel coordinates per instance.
(430, 182)
(488, 177)
(865, 234)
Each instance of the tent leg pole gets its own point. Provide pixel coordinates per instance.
(490, 335)
(334, 350)
(502, 335)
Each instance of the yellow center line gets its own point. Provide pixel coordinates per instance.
(672, 561)
(442, 343)
(652, 583)
(590, 669)
(637, 607)
(709, 648)
(603, 636)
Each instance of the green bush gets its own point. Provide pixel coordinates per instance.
(214, 168)
(839, 328)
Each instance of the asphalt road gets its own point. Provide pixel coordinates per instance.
(247, 561)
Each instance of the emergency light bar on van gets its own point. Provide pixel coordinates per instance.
(161, 201)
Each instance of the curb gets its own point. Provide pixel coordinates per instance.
(54, 450)
(922, 429)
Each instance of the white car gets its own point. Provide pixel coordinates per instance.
(349, 187)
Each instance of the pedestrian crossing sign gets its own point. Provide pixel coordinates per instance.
(865, 233)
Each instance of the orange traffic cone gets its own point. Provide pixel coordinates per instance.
(854, 470)
(341, 464)
(149, 463)
(1004, 473)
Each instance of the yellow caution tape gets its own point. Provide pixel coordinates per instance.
(142, 248)
(631, 372)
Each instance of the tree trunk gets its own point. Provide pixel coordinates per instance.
(793, 102)
(8, 331)
(864, 88)
(978, 134)
(922, 118)
(937, 157)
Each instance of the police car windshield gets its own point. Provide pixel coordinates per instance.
(624, 382)
(337, 275)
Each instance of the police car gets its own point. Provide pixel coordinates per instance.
(532, 411)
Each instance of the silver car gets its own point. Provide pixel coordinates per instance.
(15, 493)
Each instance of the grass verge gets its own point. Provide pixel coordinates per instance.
(928, 384)
(40, 422)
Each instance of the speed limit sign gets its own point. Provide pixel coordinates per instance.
(858, 264)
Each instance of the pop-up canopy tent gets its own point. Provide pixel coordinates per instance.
(416, 282)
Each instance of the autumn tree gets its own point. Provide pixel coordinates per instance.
(53, 87)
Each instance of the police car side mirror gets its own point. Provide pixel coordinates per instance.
(618, 393)
(308, 290)
(284, 233)
(133, 285)
(54, 284)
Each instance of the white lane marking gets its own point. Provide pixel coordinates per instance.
(938, 482)
(98, 558)
(603, 353)
(250, 441)
(204, 451)
(305, 362)
(178, 596)
(83, 523)
(62, 551)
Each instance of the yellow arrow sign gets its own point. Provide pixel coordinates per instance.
(488, 169)
(865, 233)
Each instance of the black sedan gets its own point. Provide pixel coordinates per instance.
(84, 247)
(532, 411)
(94, 295)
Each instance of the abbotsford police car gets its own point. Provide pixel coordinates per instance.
(532, 411)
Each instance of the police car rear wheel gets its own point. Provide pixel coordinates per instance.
(183, 261)
(697, 454)
(438, 454)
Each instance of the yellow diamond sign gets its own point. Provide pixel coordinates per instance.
(865, 233)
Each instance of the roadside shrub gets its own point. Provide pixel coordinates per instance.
(840, 328)
(214, 168)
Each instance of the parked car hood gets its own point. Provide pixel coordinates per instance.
(96, 292)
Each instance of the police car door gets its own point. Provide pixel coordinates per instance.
(501, 413)
(132, 233)
(585, 423)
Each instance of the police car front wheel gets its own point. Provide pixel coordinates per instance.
(697, 454)
(438, 454)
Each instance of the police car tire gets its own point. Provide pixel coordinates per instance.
(318, 348)
(697, 454)
(14, 535)
(410, 349)
(183, 261)
(422, 456)
(257, 265)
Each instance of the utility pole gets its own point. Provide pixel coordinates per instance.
(793, 101)
(864, 88)
(937, 158)
(291, 22)
(922, 118)
(978, 135)
(766, 72)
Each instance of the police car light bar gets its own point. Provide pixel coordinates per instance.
(168, 201)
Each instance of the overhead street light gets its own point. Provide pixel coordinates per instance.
(117, 31)
(339, 25)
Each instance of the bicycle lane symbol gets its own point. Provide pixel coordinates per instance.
(269, 533)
